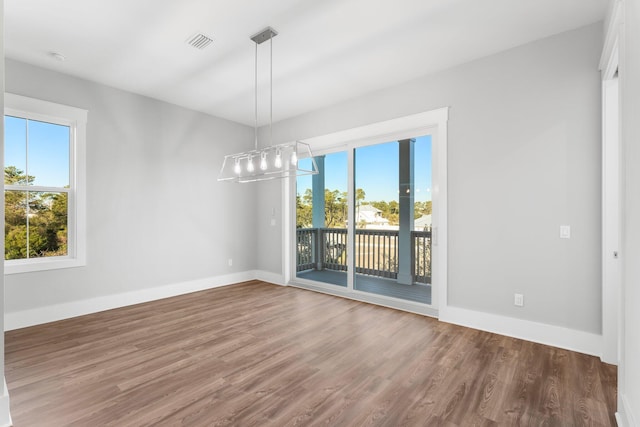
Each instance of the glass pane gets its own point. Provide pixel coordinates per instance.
(15, 229)
(47, 224)
(321, 221)
(393, 219)
(48, 154)
(15, 150)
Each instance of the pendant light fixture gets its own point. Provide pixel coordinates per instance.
(272, 161)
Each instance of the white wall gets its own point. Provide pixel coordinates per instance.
(155, 213)
(524, 158)
(629, 367)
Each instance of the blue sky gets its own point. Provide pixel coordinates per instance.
(377, 171)
(48, 150)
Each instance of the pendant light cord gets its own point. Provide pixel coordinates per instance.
(271, 88)
(270, 92)
(256, 97)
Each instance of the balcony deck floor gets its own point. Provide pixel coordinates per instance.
(376, 285)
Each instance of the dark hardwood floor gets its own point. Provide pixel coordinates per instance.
(255, 354)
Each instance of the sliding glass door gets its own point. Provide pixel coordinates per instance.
(387, 189)
(393, 219)
(321, 221)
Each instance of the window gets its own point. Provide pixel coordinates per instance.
(44, 185)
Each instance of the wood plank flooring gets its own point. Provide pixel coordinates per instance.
(255, 354)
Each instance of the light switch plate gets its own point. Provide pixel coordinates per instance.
(518, 300)
(565, 232)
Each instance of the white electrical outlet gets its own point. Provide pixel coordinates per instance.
(230, 262)
(518, 300)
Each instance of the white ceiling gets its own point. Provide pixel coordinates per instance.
(327, 51)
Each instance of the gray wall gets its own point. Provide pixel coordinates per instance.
(155, 213)
(269, 250)
(524, 158)
(629, 368)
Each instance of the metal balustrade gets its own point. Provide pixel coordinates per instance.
(421, 253)
(305, 254)
(377, 252)
(334, 249)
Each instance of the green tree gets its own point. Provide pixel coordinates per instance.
(360, 196)
(13, 175)
(46, 222)
(303, 213)
(422, 208)
(15, 242)
(335, 209)
(15, 209)
(394, 213)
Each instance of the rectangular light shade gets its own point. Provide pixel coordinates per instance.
(272, 162)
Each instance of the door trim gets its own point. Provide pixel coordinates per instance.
(432, 122)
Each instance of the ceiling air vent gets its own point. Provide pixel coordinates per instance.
(199, 41)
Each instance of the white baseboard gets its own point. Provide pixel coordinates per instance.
(267, 276)
(625, 416)
(5, 415)
(556, 336)
(52, 313)
(570, 339)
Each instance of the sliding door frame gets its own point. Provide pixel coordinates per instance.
(433, 123)
(612, 299)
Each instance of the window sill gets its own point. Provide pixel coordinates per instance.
(41, 264)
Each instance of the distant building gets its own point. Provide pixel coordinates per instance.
(370, 216)
(423, 223)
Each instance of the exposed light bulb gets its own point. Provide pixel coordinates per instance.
(294, 158)
(250, 167)
(263, 161)
(278, 161)
(236, 168)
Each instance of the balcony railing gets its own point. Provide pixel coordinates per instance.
(377, 252)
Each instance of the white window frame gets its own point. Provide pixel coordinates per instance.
(76, 120)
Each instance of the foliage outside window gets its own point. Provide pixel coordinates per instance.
(36, 221)
(43, 174)
(335, 207)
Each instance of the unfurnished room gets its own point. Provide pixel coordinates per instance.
(305, 213)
